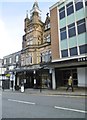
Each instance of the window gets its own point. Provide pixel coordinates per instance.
(78, 4)
(85, 2)
(64, 53)
(62, 12)
(17, 57)
(47, 26)
(28, 59)
(46, 56)
(48, 38)
(73, 51)
(30, 41)
(42, 57)
(63, 34)
(81, 26)
(83, 49)
(70, 8)
(10, 60)
(5, 61)
(71, 30)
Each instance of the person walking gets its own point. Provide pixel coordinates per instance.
(70, 83)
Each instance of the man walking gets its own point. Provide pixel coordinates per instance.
(70, 83)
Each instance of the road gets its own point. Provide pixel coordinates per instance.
(22, 105)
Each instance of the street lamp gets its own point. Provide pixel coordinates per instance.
(34, 78)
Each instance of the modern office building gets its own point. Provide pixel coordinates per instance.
(69, 42)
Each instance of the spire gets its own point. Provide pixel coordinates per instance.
(35, 8)
(35, 5)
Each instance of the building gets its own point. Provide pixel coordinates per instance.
(52, 50)
(69, 36)
(11, 63)
(36, 50)
(0, 72)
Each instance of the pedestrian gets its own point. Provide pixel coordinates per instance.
(70, 83)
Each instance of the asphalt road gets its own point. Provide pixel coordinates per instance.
(22, 105)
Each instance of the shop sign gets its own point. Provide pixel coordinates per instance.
(82, 59)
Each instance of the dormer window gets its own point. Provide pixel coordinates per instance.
(47, 26)
(48, 38)
(47, 22)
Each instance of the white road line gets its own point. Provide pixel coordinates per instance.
(75, 110)
(25, 102)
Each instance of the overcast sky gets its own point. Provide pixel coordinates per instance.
(12, 14)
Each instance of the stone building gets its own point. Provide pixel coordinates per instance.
(36, 50)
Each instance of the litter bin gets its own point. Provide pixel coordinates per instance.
(22, 88)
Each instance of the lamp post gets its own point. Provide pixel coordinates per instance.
(34, 78)
(41, 78)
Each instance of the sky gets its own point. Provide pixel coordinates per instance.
(12, 15)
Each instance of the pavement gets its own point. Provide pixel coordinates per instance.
(59, 91)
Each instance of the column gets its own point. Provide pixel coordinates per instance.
(82, 77)
(53, 79)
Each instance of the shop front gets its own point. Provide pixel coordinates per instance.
(62, 70)
(35, 78)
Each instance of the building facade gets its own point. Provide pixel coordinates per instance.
(69, 36)
(52, 50)
(11, 63)
(36, 50)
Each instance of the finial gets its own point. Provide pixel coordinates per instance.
(47, 14)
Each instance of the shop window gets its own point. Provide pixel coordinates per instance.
(62, 12)
(71, 30)
(81, 26)
(64, 53)
(70, 8)
(83, 49)
(73, 51)
(78, 5)
(63, 34)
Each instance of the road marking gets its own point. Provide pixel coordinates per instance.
(75, 110)
(25, 102)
